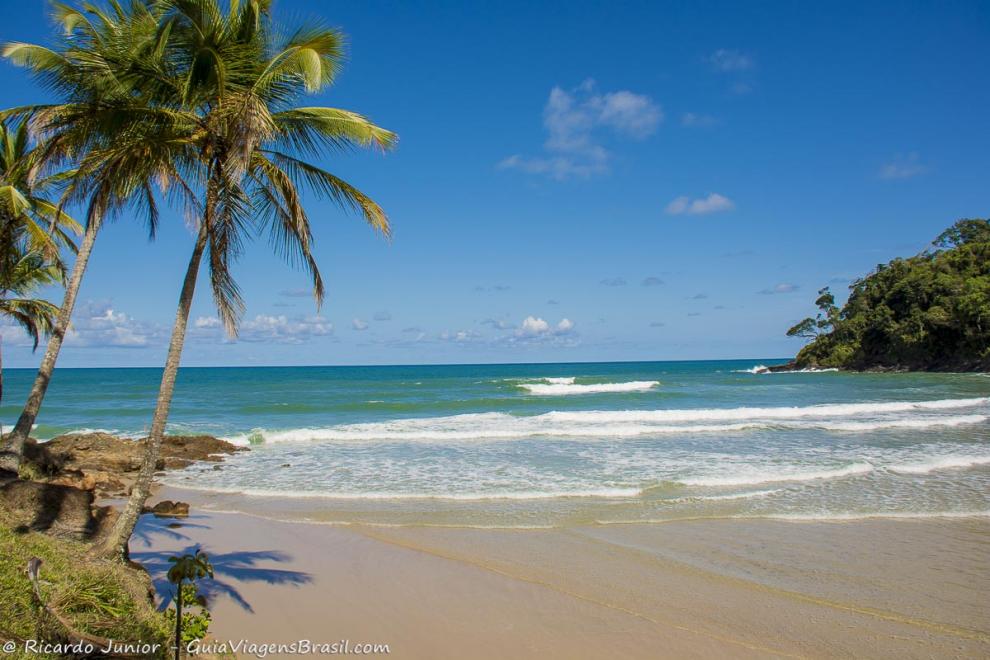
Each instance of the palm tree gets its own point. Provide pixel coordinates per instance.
(21, 274)
(239, 83)
(107, 72)
(187, 568)
(33, 234)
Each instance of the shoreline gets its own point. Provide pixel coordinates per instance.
(701, 588)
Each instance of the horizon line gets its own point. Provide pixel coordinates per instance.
(409, 364)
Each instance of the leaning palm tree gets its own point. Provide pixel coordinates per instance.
(239, 85)
(107, 72)
(33, 235)
(22, 273)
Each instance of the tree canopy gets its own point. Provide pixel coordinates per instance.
(928, 312)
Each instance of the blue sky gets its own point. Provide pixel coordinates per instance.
(585, 181)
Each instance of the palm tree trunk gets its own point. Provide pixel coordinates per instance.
(178, 621)
(115, 542)
(12, 450)
(1, 386)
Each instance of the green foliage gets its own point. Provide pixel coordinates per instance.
(195, 622)
(927, 312)
(186, 570)
(94, 596)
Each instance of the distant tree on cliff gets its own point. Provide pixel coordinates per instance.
(927, 312)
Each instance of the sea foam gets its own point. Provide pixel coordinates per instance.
(597, 424)
(565, 386)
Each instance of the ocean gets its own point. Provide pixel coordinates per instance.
(546, 445)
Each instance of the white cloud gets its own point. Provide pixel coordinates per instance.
(728, 60)
(358, 324)
(713, 203)
(651, 281)
(207, 322)
(903, 167)
(97, 325)
(534, 330)
(783, 287)
(572, 119)
(533, 326)
(459, 336)
(283, 330)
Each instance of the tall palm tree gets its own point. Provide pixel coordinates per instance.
(33, 235)
(107, 71)
(239, 84)
(21, 275)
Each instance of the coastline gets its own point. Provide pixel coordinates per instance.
(703, 588)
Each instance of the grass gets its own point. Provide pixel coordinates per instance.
(96, 597)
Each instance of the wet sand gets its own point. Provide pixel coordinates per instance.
(685, 589)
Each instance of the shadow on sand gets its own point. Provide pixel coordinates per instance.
(228, 567)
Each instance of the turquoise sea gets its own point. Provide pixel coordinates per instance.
(557, 444)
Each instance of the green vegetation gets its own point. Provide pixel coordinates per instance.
(184, 573)
(96, 597)
(930, 312)
(32, 234)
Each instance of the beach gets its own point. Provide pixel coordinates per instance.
(692, 588)
(629, 510)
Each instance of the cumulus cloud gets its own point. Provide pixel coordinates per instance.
(382, 316)
(713, 203)
(207, 322)
(651, 281)
(903, 167)
(613, 281)
(727, 60)
(574, 121)
(783, 287)
(459, 337)
(98, 325)
(358, 324)
(533, 326)
(535, 329)
(283, 330)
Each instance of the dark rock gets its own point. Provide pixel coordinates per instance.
(169, 509)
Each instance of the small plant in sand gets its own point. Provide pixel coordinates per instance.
(186, 570)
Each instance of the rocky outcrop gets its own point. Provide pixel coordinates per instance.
(69, 473)
(108, 465)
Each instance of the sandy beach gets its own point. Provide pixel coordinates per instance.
(694, 588)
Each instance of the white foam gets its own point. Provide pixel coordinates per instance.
(562, 387)
(758, 369)
(738, 496)
(939, 463)
(635, 423)
(763, 477)
(401, 495)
